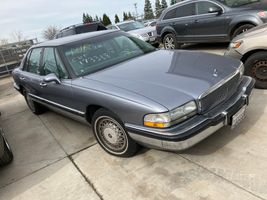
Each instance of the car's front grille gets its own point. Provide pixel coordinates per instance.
(145, 35)
(220, 94)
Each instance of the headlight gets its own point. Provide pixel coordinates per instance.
(236, 45)
(164, 120)
(138, 36)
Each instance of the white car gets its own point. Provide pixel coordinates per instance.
(137, 29)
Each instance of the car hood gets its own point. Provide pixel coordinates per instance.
(252, 32)
(170, 78)
(142, 30)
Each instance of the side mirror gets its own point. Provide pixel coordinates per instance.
(51, 78)
(215, 10)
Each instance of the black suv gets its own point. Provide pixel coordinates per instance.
(81, 28)
(198, 21)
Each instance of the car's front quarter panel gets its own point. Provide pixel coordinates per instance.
(128, 106)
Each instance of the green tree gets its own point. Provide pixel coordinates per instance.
(87, 18)
(158, 8)
(148, 11)
(97, 18)
(117, 19)
(164, 4)
(130, 16)
(125, 16)
(173, 2)
(106, 20)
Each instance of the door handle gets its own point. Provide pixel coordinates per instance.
(43, 84)
(196, 21)
(22, 78)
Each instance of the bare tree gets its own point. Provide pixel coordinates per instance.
(50, 32)
(18, 36)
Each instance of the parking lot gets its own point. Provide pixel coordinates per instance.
(58, 158)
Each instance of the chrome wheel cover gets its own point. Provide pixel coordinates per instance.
(169, 43)
(111, 135)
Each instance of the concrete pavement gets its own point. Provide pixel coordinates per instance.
(58, 158)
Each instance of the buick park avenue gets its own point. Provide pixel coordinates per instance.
(132, 94)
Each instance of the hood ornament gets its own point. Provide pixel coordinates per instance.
(215, 73)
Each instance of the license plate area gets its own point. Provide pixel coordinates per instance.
(238, 117)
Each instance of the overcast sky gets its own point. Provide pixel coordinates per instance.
(32, 16)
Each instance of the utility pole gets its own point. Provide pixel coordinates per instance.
(136, 14)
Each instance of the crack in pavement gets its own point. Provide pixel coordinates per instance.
(225, 179)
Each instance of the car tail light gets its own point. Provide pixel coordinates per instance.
(262, 14)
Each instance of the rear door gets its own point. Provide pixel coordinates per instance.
(30, 77)
(208, 26)
(180, 19)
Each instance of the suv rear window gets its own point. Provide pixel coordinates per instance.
(181, 11)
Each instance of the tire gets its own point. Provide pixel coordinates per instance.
(256, 67)
(170, 42)
(35, 107)
(242, 29)
(110, 133)
(7, 156)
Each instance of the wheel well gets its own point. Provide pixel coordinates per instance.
(164, 34)
(90, 111)
(238, 25)
(248, 54)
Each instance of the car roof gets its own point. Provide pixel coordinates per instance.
(124, 22)
(73, 38)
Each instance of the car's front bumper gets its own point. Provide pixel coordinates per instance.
(197, 128)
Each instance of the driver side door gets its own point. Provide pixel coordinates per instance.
(207, 24)
(56, 95)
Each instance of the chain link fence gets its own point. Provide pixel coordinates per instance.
(12, 54)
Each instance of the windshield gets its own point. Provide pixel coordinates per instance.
(237, 3)
(93, 55)
(131, 26)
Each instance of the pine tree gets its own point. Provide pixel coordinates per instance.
(158, 8)
(164, 4)
(106, 20)
(130, 16)
(96, 18)
(148, 12)
(84, 18)
(125, 16)
(173, 2)
(117, 19)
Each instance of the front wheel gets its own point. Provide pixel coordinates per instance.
(111, 134)
(256, 67)
(242, 29)
(7, 156)
(170, 42)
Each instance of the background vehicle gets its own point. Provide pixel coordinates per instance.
(150, 23)
(251, 49)
(81, 28)
(132, 93)
(198, 21)
(137, 29)
(6, 155)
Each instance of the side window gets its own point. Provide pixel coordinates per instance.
(49, 62)
(33, 64)
(61, 69)
(182, 11)
(186, 10)
(170, 14)
(204, 7)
